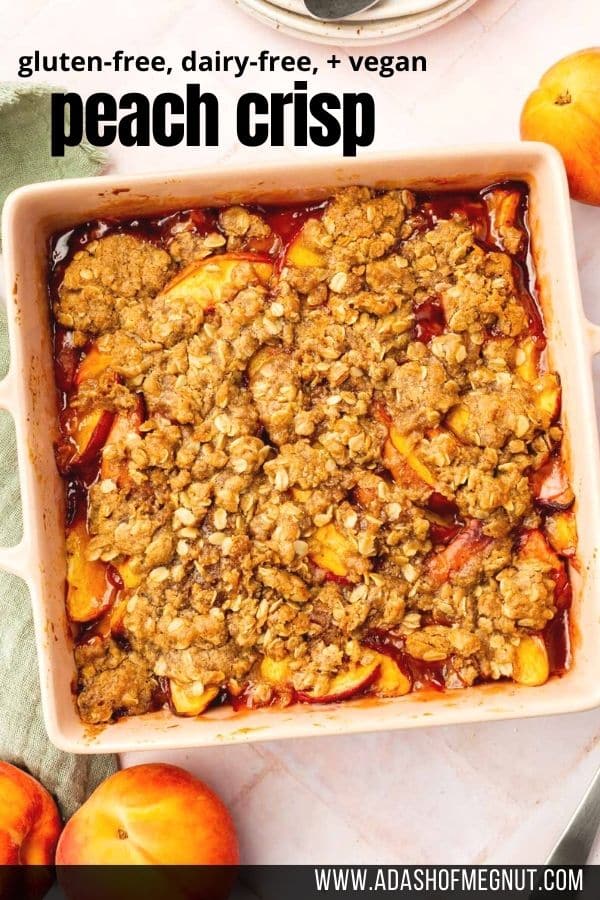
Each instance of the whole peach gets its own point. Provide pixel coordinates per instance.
(153, 814)
(29, 820)
(564, 111)
(29, 828)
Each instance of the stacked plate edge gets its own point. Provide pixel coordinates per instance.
(385, 9)
(390, 20)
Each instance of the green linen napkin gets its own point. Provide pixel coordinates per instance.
(25, 158)
(25, 141)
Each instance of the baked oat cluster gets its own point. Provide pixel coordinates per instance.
(313, 471)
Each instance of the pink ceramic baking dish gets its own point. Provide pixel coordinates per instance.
(34, 213)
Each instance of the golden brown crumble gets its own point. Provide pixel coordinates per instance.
(301, 488)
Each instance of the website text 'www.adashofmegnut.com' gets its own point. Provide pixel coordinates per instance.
(449, 880)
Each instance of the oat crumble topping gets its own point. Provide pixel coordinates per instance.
(299, 471)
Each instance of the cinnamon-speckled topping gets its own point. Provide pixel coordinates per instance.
(320, 457)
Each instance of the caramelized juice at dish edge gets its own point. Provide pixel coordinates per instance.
(285, 223)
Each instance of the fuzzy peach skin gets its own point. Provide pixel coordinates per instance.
(564, 111)
(29, 820)
(154, 814)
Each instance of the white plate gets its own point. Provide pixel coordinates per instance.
(386, 9)
(345, 33)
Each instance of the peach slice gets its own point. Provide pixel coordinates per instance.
(125, 422)
(90, 592)
(130, 577)
(529, 359)
(503, 207)
(300, 255)
(409, 471)
(150, 815)
(533, 545)
(89, 433)
(346, 684)
(469, 542)
(29, 820)
(66, 359)
(457, 421)
(530, 664)
(550, 485)
(301, 495)
(116, 617)
(205, 282)
(547, 394)
(93, 364)
(112, 623)
(126, 579)
(405, 447)
(187, 700)
(382, 415)
(398, 465)
(366, 494)
(391, 680)
(331, 550)
(561, 529)
(275, 671)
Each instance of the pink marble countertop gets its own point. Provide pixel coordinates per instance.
(494, 793)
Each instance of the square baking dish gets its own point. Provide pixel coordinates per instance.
(32, 214)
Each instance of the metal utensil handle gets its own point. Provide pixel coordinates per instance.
(576, 842)
(332, 10)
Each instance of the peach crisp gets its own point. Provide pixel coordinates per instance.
(309, 453)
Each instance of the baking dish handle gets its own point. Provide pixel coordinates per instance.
(593, 332)
(12, 559)
(6, 390)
